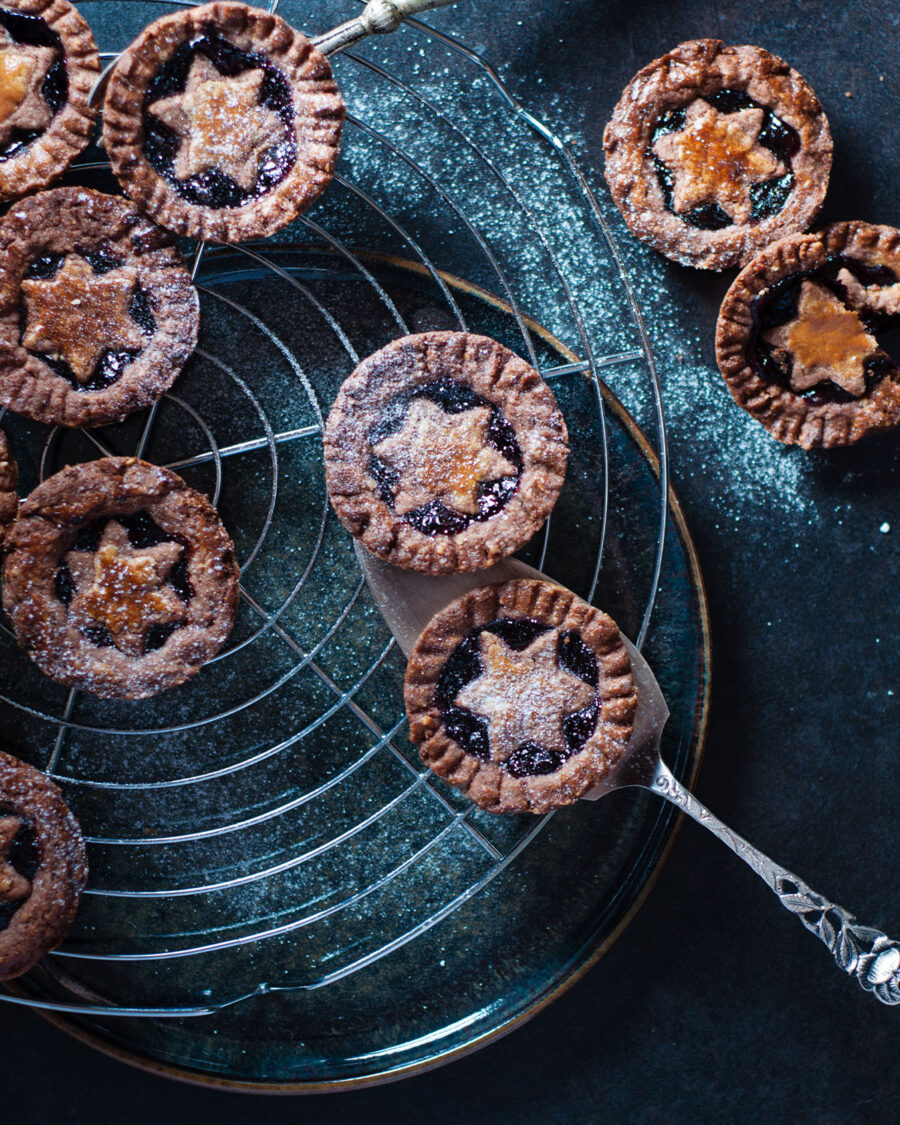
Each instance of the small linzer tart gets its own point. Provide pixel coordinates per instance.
(43, 867)
(48, 67)
(97, 311)
(9, 478)
(444, 452)
(713, 152)
(223, 122)
(797, 337)
(521, 695)
(119, 579)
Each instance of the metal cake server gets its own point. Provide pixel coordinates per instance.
(408, 600)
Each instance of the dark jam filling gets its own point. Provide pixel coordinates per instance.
(213, 188)
(778, 305)
(113, 363)
(143, 532)
(25, 857)
(32, 31)
(470, 731)
(436, 518)
(767, 198)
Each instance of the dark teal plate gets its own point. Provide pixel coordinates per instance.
(304, 772)
(278, 893)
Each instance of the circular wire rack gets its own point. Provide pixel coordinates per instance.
(217, 815)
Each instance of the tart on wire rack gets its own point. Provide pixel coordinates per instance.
(43, 866)
(97, 311)
(48, 67)
(444, 452)
(119, 579)
(222, 122)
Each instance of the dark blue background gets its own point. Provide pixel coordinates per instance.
(715, 1005)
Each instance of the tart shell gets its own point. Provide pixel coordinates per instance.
(693, 70)
(9, 479)
(49, 523)
(318, 119)
(79, 221)
(43, 919)
(69, 132)
(486, 782)
(792, 418)
(495, 374)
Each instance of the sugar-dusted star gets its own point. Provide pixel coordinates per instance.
(22, 72)
(825, 341)
(441, 456)
(883, 299)
(524, 696)
(716, 158)
(78, 315)
(13, 886)
(124, 588)
(221, 123)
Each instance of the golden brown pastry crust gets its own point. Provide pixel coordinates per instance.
(796, 419)
(487, 782)
(46, 530)
(690, 71)
(318, 118)
(31, 802)
(69, 131)
(500, 378)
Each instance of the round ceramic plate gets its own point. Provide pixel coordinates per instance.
(280, 896)
(287, 851)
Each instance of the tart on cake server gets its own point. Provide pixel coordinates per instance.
(444, 452)
(97, 311)
(119, 579)
(797, 337)
(48, 67)
(223, 122)
(521, 695)
(714, 151)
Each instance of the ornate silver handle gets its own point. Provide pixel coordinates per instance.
(378, 17)
(862, 952)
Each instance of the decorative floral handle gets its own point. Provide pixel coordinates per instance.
(378, 17)
(862, 952)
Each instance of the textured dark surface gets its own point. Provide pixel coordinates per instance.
(715, 1006)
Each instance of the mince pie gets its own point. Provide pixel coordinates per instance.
(713, 152)
(521, 695)
(9, 478)
(48, 67)
(43, 868)
(119, 579)
(444, 452)
(797, 338)
(223, 122)
(97, 311)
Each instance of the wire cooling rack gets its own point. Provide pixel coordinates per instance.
(267, 827)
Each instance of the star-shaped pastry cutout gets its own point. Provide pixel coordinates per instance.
(13, 886)
(78, 315)
(22, 73)
(825, 341)
(124, 588)
(884, 299)
(716, 158)
(524, 696)
(441, 456)
(221, 123)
